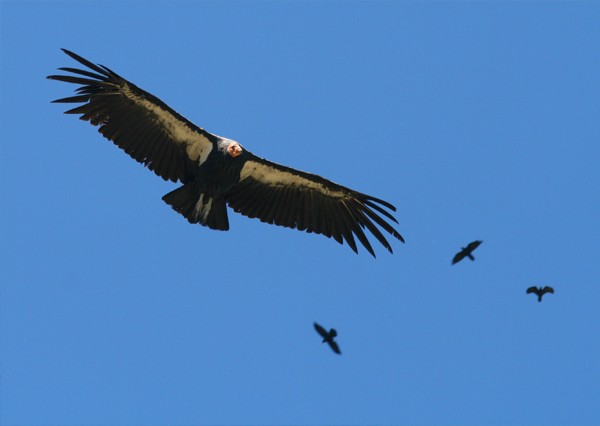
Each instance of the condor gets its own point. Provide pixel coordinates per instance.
(217, 171)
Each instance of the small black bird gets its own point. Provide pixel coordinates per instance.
(466, 252)
(328, 337)
(540, 291)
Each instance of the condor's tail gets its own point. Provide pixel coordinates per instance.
(199, 207)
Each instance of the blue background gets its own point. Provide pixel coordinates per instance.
(477, 120)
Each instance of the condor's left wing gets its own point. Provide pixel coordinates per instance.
(295, 199)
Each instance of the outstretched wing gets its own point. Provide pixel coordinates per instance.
(532, 290)
(287, 197)
(547, 290)
(459, 256)
(320, 330)
(473, 245)
(139, 123)
(334, 346)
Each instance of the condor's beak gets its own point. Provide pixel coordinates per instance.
(234, 150)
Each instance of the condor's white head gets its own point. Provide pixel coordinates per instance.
(230, 147)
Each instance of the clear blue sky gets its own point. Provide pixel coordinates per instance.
(477, 120)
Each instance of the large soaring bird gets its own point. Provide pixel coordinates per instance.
(328, 337)
(466, 252)
(539, 291)
(217, 171)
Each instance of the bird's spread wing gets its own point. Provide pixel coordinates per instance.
(286, 197)
(532, 290)
(320, 330)
(547, 290)
(136, 121)
(459, 256)
(472, 246)
(334, 346)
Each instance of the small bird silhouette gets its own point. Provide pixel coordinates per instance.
(540, 291)
(466, 252)
(328, 337)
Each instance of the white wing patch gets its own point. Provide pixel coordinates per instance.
(269, 175)
(197, 146)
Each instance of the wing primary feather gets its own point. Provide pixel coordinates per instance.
(102, 77)
(379, 209)
(349, 237)
(72, 99)
(386, 226)
(88, 116)
(358, 229)
(348, 226)
(380, 201)
(364, 240)
(109, 71)
(80, 80)
(345, 231)
(85, 62)
(82, 109)
(362, 218)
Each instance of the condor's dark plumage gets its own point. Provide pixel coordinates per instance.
(216, 171)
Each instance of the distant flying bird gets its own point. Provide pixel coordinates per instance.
(466, 252)
(540, 291)
(217, 171)
(328, 337)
